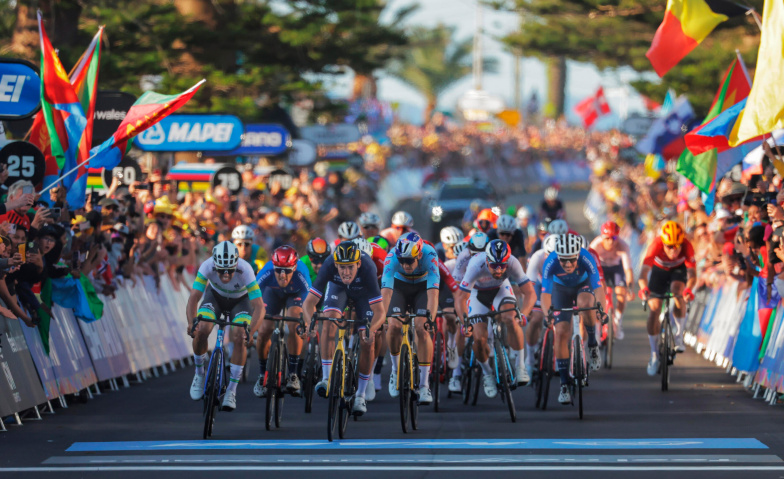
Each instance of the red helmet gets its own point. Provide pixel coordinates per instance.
(610, 228)
(285, 257)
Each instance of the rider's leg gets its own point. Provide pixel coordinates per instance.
(481, 349)
(563, 332)
(620, 302)
(294, 341)
(200, 346)
(380, 349)
(238, 357)
(532, 334)
(424, 350)
(587, 300)
(653, 326)
(366, 358)
(679, 312)
(263, 343)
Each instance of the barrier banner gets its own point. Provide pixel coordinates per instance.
(745, 355)
(105, 346)
(71, 362)
(42, 362)
(768, 374)
(120, 311)
(19, 387)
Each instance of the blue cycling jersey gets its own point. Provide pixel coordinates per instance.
(299, 284)
(426, 270)
(586, 270)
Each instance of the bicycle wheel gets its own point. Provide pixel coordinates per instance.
(608, 346)
(578, 369)
(283, 367)
(435, 370)
(466, 370)
(345, 410)
(335, 378)
(504, 378)
(273, 374)
(547, 369)
(664, 355)
(414, 402)
(309, 373)
(476, 381)
(212, 393)
(404, 382)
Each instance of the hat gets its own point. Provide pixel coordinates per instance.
(121, 229)
(721, 214)
(319, 183)
(108, 202)
(728, 249)
(163, 206)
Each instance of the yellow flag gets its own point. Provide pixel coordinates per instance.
(764, 110)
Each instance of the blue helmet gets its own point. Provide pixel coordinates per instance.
(497, 251)
(409, 246)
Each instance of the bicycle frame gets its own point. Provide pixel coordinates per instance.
(222, 322)
(340, 345)
(497, 327)
(406, 321)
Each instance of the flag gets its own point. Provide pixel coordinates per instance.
(667, 129)
(148, 110)
(745, 354)
(650, 104)
(765, 110)
(61, 108)
(686, 24)
(68, 292)
(591, 108)
(700, 166)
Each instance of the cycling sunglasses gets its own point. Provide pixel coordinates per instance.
(505, 233)
(484, 224)
(284, 270)
(613, 237)
(567, 260)
(222, 271)
(672, 246)
(497, 266)
(406, 261)
(243, 243)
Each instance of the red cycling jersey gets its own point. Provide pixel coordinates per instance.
(446, 276)
(656, 256)
(379, 255)
(598, 263)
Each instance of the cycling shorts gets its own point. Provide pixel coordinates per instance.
(566, 297)
(445, 297)
(482, 301)
(661, 279)
(409, 297)
(214, 305)
(276, 302)
(614, 276)
(336, 299)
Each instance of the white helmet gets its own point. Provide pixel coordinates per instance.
(369, 219)
(225, 255)
(458, 248)
(558, 227)
(523, 212)
(243, 232)
(478, 242)
(363, 245)
(583, 241)
(550, 193)
(348, 230)
(506, 224)
(548, 245)
(568, 245)
(451, 235)
(401, 218)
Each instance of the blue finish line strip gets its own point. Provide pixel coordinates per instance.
(377, 444)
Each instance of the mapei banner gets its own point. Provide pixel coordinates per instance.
(192, 133)
(20, 89)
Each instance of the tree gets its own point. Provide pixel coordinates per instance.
(617, 33)
(433, 62)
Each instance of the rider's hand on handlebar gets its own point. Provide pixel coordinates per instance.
(688, 295)
(644, 294)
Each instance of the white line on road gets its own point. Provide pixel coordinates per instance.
(227, 468)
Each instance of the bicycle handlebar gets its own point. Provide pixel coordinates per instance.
(602, 316)
(291, 319)
(220, 322)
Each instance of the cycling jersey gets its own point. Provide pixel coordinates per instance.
(534, 273)
(379, 257)
(517, 243)
(585, 273)
(478, 275)
(426, 271)
(258, 255)
(656, 256)
(363, 288)
(619, 255)
(392, 234)
(309, 264)
(554, 211)
(242, 281)
(460, 264)
(299, 284)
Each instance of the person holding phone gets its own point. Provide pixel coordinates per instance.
(21, 196)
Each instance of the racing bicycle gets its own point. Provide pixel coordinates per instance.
(408, 370)
(667, 350)
(545, 364)
(277, 368)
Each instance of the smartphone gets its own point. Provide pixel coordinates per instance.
(56, 212)
(32, 248)
(22, 251)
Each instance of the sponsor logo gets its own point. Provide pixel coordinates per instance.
(261, 138)
(395, 310)
(110, 115)
(11, 88)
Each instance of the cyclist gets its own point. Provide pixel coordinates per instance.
(552, 207)
(570, 277)
(506, 229)
(284, 283)
(494, 281)
(369, 223)
(402, 223)
(541, 234)
(476, 245)
(526, 222)
(615, 260)
(347, 231)
(670, 262)
(233, 288)
(534, 273)
(450, 236)
(410, 282)
(242, 236)
(380, 241)
(485, 221)
(318, 251)
(348, 274)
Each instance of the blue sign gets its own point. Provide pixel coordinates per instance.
(192, 133)
(261, 139)
(20, 89)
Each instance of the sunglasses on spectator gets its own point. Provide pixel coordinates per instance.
(284, 270)
(567, 260)
(111, 208)
(222, 271)
(406, 261)
(497, 266)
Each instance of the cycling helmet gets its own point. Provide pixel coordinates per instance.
(551, 193)
(318, 250)
(523, 213)
(242, 232)
(380, 241)
(548, 245)
(542, 226)
(284, 257)
(478, 242)
(568, 245)
(458, 248)
(610, 228)
(225, 255)
(363, 245)
(506, 224)
(451, 235)
(558, 227)
(401, 218)
(348, 230)
(583, 242)
(369, 219)
(672, 234)
(488, 215)
(346, 253)
(497, 251)
(409, 246)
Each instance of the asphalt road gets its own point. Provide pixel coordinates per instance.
(705, 426)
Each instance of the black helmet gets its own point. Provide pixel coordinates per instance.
(347, 252)
(318, 250)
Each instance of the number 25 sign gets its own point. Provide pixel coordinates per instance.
(24, 161)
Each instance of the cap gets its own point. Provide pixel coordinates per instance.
(108, 202)
(721, 214)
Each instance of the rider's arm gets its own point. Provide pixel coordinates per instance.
(432, 302)
(446, 277)
(626, 261)
(642, 281)
(529, 295)
(691, 264)
(317, 289)
(594, 277)
(193, 306)
(433, 272)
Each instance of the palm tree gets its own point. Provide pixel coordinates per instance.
(433, 63)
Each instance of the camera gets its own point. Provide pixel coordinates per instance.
(761, 199)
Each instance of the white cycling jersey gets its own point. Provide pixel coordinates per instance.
(450, 265)
(460, 265)
(243, 281)
(478, 275)
(536, 265)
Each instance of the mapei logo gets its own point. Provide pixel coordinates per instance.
(20, 89)
(11, 88)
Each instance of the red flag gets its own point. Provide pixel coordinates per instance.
(591, 108)
(650, 105)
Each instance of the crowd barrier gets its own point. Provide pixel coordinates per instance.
(141, 331)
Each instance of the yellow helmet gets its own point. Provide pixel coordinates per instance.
(672, 234)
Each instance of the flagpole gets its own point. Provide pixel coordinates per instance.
(54, 183)
(755, 16)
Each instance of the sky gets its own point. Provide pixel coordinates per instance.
(582, 79)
